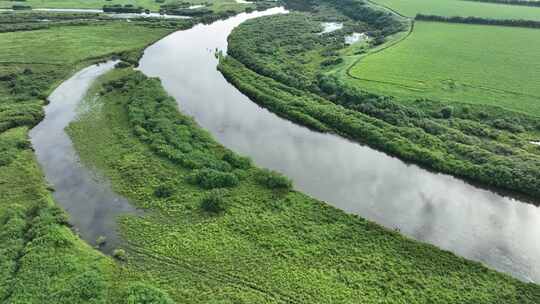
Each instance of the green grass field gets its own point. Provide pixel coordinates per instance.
(98, 4)
(461, 8)
(456, 62)
(64, 45)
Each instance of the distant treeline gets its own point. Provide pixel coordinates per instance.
(118, 8)
(20, 7)
(511, 2)
(478, 20)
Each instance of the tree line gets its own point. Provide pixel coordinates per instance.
(511, 2)
(479, 20)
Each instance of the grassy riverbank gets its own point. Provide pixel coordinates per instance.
(265, 243)
(41, 259)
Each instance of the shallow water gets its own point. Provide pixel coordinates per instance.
(92, 205)
(435, 208)
(329, 27)
(355, 37)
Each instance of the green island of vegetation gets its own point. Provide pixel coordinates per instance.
(217, 229)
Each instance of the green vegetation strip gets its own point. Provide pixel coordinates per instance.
(511, 2)
(451, 8)
(218, 229)
(478, 20)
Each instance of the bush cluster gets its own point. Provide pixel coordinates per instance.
(214, 201)
(273, 179)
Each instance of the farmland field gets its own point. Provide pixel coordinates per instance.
(71, 44)
(461, 8)
(97, 4)
(457, 62)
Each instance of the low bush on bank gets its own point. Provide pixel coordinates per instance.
(214, 201)
(164, 190)
(273, 179)
(210, 178)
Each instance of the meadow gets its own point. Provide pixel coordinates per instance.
(71, 44)
(217, 5)
(410, 8)
(261, 242)
(478, 64)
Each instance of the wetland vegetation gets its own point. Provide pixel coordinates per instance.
(217, 228)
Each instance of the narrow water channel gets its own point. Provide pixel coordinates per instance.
(92, 205)
(500, 232)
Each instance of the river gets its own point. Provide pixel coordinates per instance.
(92, 205)
(481, 225)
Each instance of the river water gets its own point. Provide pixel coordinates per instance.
(500, 232)
(92, 205)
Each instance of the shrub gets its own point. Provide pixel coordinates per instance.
(100, 241)
(122, 65)
(164, 190)
(446, 112)
(237, 161)
(140, 293)
(214, 201)
(273, 179)
(119, 254)
(210, 178)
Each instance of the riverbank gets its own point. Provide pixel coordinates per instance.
(262, 234)
(42, 259)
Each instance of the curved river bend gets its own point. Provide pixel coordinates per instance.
(92, 205)
(435, 208)
(474, 223)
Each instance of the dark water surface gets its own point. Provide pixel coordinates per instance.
(474, 223)
(92, 205)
